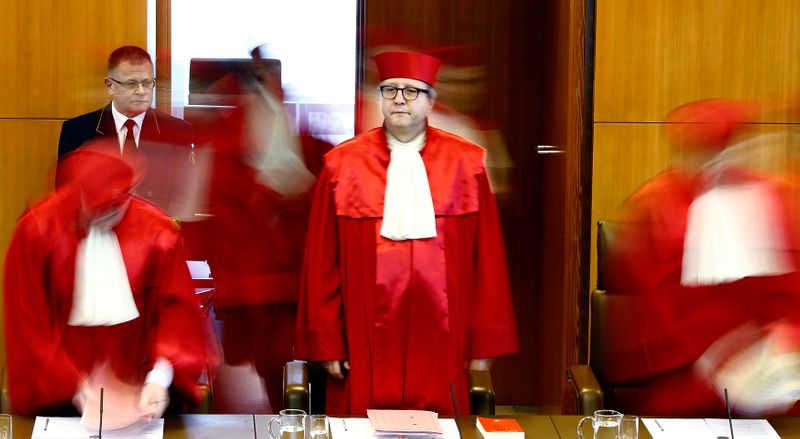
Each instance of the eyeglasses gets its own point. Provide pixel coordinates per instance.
(409, 93)
(146, 84)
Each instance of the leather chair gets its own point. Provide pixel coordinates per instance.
(300, 377)
(588, 380)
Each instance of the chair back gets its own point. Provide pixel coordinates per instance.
(607, 237)
(600, 302)
(617, 316)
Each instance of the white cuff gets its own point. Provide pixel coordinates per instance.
(161, 373)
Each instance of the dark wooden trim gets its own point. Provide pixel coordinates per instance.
(361, 20)
(587, 147)
(578, 190)
(164, 55)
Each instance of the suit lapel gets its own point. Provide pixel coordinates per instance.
(150, 127)
(105, 123)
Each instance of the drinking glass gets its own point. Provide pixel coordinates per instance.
(318, 427)
(291, 424)
(629, 427)
(5, 426)
(605, 424)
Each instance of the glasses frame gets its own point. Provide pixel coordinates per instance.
(402, 90)
(130, 86)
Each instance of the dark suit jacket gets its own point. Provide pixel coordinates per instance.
(165, 143)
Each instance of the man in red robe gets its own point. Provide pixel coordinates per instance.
(97, 293)
(663, 345)
(262, 179)
(405, 285)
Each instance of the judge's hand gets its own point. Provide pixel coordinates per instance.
(480, 364)
(154, 400)
(336, 368)
(82, 395)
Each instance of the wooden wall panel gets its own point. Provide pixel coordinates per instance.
(53, 62)
(652, 56)
(18, 159)
(55, 53)
(26, 168)
(627, 155)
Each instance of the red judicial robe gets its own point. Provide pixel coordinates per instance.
(47, 358)
(657, 343)
(408, 315)
(259, 235)
(258, 241)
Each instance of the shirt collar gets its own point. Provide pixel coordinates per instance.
(416, 143)
(119, 118)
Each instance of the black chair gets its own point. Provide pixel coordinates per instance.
(304, 388)
(587, 379)
(598, 384)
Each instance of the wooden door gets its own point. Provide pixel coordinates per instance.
(532, 53)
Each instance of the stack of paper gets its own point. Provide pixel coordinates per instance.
(71, 428)
(667, 428)
(360, 428)
(405, 422)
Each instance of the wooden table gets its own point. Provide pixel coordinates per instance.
(539, 427)
(255, 427)
(787, 428)
(176, 427)
(566, 426)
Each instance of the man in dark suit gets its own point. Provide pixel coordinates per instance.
(165, 142)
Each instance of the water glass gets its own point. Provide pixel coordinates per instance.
(5, 426)
(291, 424)
(605, 424)
(629, 427)
(318, 427)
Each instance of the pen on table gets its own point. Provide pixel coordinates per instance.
(344, 424)
(46, 423)
(659, 425)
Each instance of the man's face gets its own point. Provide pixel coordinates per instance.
(130, 101)
(404, 116)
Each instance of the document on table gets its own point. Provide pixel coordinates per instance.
(712, 428)
(48, 427)
(360, 428)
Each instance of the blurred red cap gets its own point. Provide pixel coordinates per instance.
(103, 177)
(412, 65)
(709, 123)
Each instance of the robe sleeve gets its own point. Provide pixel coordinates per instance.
(40, 373)
(320, 320)
(493, 329)
(178, 333)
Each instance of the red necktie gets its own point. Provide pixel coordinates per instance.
(129, 147)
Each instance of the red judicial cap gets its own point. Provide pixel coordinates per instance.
(709, 123)
(101, 174)
(412, 65)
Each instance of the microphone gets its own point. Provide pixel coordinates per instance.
(100, 428)
(455, 409)
(728, 407)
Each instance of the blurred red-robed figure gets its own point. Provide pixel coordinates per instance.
(710, 247)
(262, 178)
(97, 293)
